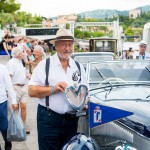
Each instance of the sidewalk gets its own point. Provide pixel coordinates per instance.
(31, 143)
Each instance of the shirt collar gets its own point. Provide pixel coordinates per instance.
(17, 60)
(56, 59)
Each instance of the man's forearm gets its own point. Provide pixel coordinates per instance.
(39, 91)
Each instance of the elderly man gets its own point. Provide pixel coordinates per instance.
(19, 79)
(142, 54)
(6, 86)
(54, 127)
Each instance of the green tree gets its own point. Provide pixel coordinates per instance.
(79, 18)
(87, 34)
(131, 16)
(9, 6)
(98, 34)
(21, 18)
(129, 31)
(148, 15)
(6, 18)
(104, 28)
(90, 20)
(67, 25)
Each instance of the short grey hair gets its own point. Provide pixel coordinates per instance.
(41, 49)
(16, 51)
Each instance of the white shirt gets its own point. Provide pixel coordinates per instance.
(17, 70)
(57, 102)
(6, 85)
(144, 57)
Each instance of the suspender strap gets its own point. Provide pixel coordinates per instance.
(46, 80)
(47, 66)
(78, 65)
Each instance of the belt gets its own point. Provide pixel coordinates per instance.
(57, 114)
(20, 84)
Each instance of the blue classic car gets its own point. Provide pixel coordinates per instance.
(124, 85)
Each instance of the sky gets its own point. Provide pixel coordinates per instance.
(52, 8)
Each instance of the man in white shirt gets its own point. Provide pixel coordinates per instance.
(54, 128)
(6, 87)
(19, 79)
(142, 54)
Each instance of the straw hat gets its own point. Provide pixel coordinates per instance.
(62, 34)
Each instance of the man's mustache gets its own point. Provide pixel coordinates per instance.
(66, 51)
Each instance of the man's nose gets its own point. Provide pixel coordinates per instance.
(67, 46)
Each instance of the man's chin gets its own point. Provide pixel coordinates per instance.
(65, 57)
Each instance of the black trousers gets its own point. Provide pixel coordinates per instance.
(54, 130)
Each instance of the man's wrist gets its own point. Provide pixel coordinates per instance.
(53, 90)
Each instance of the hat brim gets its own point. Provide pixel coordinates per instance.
(53, 41)
(62, 38)
(143, 44)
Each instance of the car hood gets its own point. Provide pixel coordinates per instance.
(133, 99)
(126, 93)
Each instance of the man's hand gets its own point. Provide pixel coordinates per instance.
(85, 107)
(15, 106)
(60, 87)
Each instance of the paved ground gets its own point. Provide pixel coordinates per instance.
(31, 142)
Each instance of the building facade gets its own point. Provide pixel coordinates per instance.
(134, 13)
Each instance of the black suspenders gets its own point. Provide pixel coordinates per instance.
(78, 66)
(47, 66)
(46, 79)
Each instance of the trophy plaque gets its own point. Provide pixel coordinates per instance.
(76, 97)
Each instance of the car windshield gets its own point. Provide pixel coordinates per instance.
(86, 57)
(119, 72)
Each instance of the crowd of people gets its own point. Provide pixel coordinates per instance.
(10, 41)
(25, 54)
(26, 77)
(27, 73)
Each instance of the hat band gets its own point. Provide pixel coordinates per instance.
(64, 37)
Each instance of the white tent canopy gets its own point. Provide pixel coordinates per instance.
(133, 45)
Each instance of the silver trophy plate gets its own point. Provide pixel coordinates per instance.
(76, 96)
